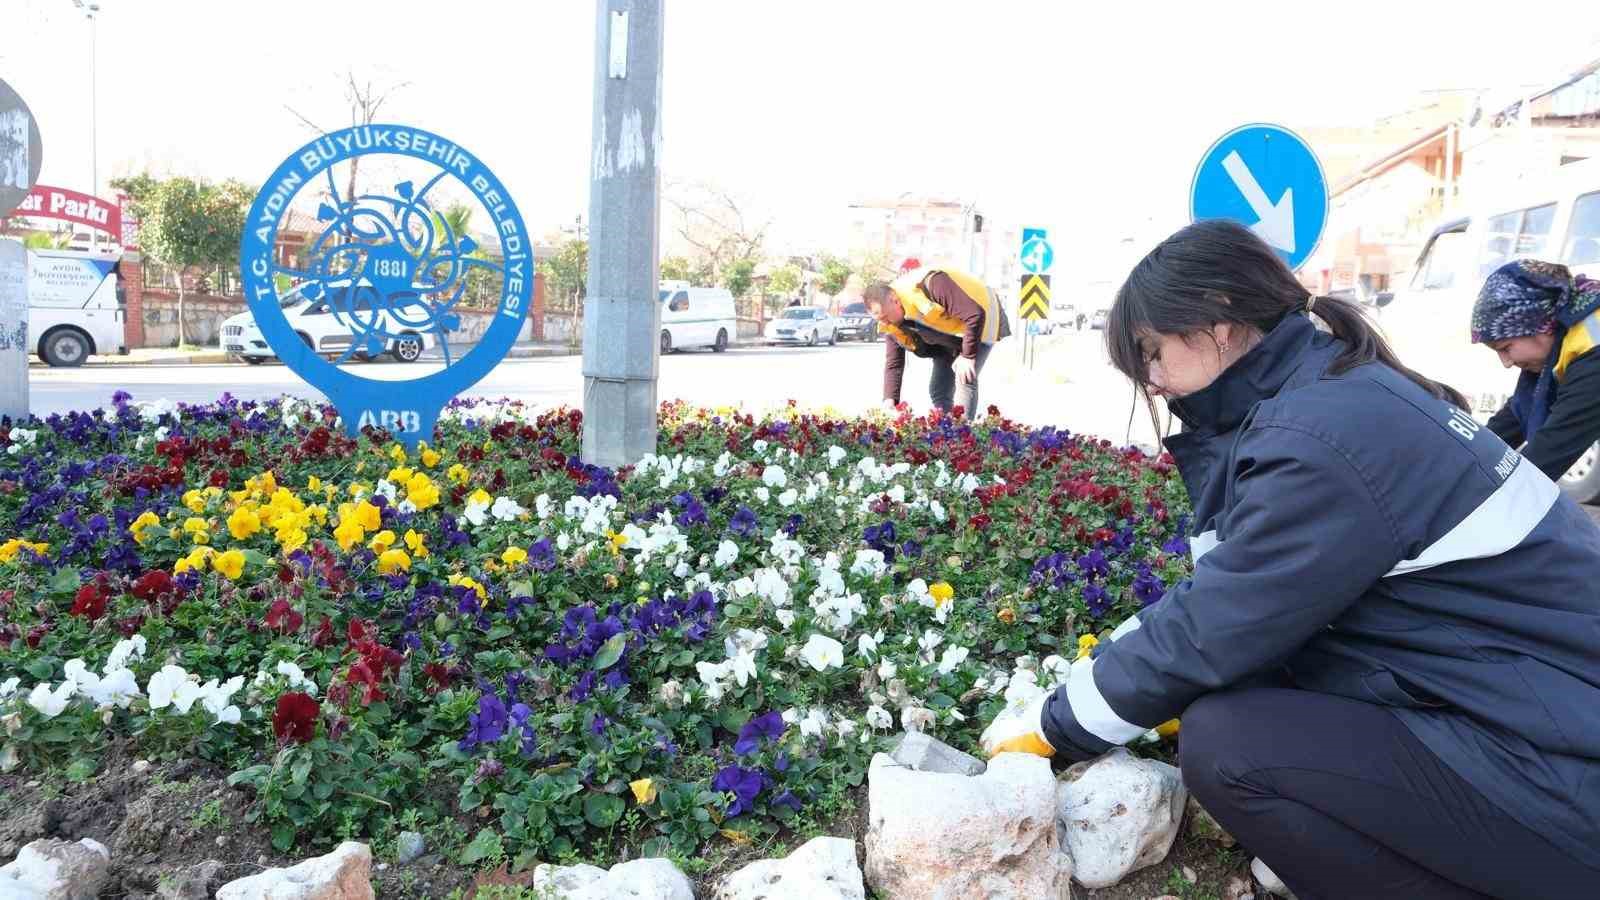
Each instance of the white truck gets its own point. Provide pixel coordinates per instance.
(75, 307)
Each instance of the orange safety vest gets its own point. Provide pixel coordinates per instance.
(921, 308)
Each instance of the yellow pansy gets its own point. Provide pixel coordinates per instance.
(145, 520)
(196, 560)
(480, 497)
(421, 491)
(349, 533)
(466, 582)
(382, 541)
(1085, 644)
(358, 488)
(401, 474)
(292, 539)
(616, 541)
(314, 484)
(392, 561)
(195, 500)
(430, 457)
(514, 556)
(229, 563)
(942, 593)
(1168, 728)
(369, 516)
(10, 549)
(458, 474)
(317, 513)
(644, 791)
(415, 542)
(243, 523)
(198, 529)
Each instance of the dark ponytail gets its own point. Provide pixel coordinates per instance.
(1216, 271)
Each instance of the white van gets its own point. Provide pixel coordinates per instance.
(75, 308)
(321, 324)
(1556, 218)
(696, 317)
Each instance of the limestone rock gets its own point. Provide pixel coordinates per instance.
(193, 883)
(51, 869)
(1118, 814)
(942, 836)
(409, 847)
(928, 754)
(639, 879)
(824, 868)
(344, 874)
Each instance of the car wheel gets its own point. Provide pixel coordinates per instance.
(811, 339)
(1582, 481)
(65, 347)
(722, 341)
(254, 360)
(407, 348)
(666, 342)
(833, 337)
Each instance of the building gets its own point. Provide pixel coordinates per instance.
(935, 230)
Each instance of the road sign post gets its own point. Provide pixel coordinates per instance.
(21, 155)
(1033, 296)
(1265, 177)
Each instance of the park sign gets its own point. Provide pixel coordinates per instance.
(389, 266)
(47, 202)
(21, 152)
(1267, 178)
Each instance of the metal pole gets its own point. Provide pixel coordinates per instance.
(13, 330)
(621, 317)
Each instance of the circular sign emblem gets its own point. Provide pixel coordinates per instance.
(337, 275)
(21, 152)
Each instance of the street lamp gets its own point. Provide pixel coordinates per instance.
(90, 11)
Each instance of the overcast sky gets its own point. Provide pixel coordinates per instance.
(1040, 112)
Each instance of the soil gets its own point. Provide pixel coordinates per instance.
(170, 819)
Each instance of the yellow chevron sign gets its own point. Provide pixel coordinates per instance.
(1035, 296)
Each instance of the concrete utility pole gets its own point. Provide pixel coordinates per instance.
(621, 317)
(13, 330)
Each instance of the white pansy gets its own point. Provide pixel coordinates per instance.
(917, 592)
(118, 688)
(775, 476)
(165, 684)
(759, 446)
(681, 570)
(785, 618)
(869, 563)
(161, 434)
(836, 455)
(771, 585)
(9, 687)
(1023, 687)
(723, 464)
(813, 491)
(829, 581)
(506, 509)
(878, 717)
(742, 666)
(563, 542)
(50, 703)
(542, 507)
(576, 507)
(476, 512)
(953, 656)
(898, 493)
(936, 509)
(744, 587)
(1056, 668)
(385, 490)
(844, 727)
(916, 718)
(762, 495)
(406, 506)
(930, 641)
(842, 610)
(788, 498)
(744, 639)
(887, 670)
(867, 644)
(813, 723)
(822, 652)
(727, 552)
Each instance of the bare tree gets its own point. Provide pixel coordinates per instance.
(365, 101)
(717, 225)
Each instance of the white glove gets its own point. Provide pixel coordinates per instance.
(1018, 729)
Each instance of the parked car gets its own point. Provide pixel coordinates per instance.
(322, 330)
(1097, 320)
(855, 322)
(1555, 218)
(697, 317)
(802, 325)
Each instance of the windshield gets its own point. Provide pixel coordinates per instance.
(796, 314)
(856, 309)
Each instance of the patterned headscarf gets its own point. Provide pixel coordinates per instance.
(1529, 297)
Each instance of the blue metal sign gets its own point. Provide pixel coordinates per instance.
(1036, 255)
(1266, 177)
(389, 267)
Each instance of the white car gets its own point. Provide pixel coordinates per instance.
(696, 317)
(322, 330)
(802, 325)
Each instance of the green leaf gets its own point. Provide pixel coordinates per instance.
(485, 846)
(602, 810)
(63, 581)
(43, 668)
(523, 588)
(300, 770)
(610, 652)
(282, 836)
(499, 633)
(256, 558)
(83, 769)
(684, 658)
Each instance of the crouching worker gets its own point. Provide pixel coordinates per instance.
(1387, 662)
(947, 317)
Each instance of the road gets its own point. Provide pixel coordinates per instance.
(1070, 385)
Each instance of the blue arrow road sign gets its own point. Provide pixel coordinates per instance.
(1266, 177)
(1037, 255)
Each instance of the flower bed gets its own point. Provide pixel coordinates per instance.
(702, 648)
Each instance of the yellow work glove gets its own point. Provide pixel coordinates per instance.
(1018, 729)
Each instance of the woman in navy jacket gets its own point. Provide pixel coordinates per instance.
(1387, 662)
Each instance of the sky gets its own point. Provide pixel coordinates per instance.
(1089, 123)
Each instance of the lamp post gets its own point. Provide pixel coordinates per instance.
(91, 11)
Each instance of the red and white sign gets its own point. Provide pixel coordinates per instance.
(47, 202)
